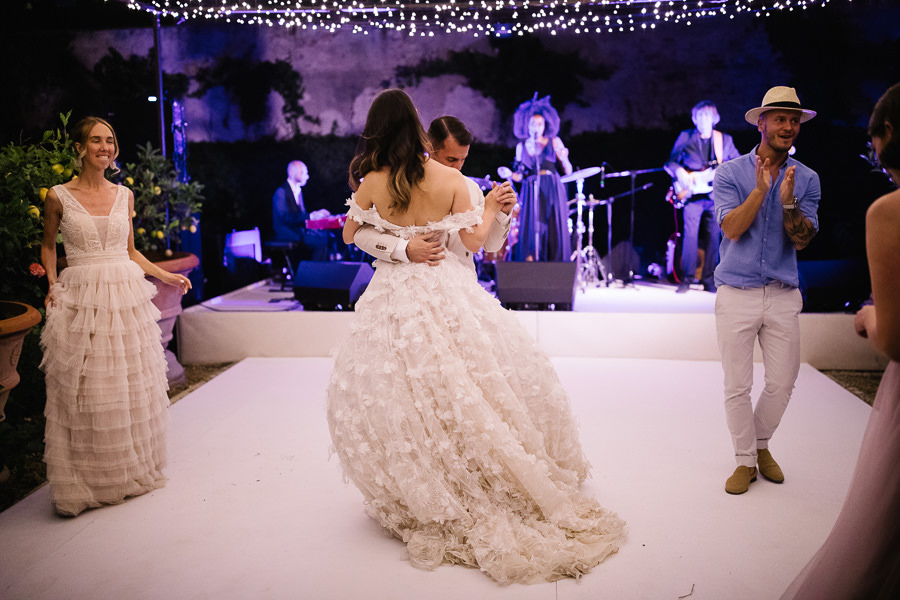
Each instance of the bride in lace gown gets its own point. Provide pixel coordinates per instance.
(104, 364)
(442, 410)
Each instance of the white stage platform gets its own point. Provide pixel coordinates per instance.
(254, 508)
(642, 321)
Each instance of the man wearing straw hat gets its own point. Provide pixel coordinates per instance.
(766, 204)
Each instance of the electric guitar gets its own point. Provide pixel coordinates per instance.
(684, 187)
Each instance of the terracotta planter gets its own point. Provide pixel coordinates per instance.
(16, 320)
(168, 301)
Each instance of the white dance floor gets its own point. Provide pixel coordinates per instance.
(254, 507)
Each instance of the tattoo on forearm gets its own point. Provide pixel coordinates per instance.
(799, 229)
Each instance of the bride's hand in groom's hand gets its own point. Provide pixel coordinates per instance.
(503, 195)
(425, 248)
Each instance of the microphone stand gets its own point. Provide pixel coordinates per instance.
(536, 201)
(630, 280)
(632, 175)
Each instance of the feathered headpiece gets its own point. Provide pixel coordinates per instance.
(533, 107)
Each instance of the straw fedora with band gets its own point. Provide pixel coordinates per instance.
(779, 97)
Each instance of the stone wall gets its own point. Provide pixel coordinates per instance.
(656, 76)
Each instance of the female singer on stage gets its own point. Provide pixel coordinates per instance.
(861, 557)
(544, 213)
(103, 360)
(443, 411)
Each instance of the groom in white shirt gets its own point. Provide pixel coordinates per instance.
(450, 140)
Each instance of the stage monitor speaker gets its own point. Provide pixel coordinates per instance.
(324, 285)
(536, 284)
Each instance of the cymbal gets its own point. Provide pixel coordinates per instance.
(582, 174)
(592, 203)
(589, 204)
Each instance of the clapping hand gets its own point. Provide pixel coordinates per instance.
(763, 176)
(787, 186)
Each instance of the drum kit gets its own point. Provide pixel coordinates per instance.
(591, 269)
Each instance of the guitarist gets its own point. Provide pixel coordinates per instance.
(692, 162)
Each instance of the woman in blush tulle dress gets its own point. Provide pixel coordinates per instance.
(104, 364)
(860, 560)
(442, 410)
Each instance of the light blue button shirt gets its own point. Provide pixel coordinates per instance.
(764, 253)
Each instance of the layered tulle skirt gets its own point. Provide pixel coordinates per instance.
(456, 429)
(106, 386)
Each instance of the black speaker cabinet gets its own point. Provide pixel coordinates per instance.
(330, 285)
(536, 284)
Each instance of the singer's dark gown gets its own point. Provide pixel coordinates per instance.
(552, 211)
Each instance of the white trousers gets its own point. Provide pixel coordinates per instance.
(743, 315)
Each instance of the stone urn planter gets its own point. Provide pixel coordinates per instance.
(168, 301)
(16, 320)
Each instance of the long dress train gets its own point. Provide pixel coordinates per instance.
(455, 427)
(104, 365)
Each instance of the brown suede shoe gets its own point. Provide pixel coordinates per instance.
(740, 480)
(768, 468)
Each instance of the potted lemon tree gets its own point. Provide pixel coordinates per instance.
(164, 208)
(28, 169)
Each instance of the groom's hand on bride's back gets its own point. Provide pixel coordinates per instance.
(425, 248)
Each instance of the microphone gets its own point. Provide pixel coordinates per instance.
(603, 175)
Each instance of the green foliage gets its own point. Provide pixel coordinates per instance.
(134, 78)
(249, 82)
(499, 75)
(27, 171)
(163, 205)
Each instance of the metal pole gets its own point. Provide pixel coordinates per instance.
(631, 233)
(160, 98)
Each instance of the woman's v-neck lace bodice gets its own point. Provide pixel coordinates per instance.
(81, 236)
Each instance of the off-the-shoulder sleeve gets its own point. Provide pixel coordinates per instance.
(464, 220)
(365, 216)
(370, 216)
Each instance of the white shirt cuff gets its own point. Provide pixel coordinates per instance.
(399, 253)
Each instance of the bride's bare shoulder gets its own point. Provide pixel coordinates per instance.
(886, 207)
(444, 175)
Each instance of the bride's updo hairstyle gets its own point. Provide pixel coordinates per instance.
(393, 138)
(887, 110)
(81, 131)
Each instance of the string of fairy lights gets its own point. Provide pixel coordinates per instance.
(501, 18)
